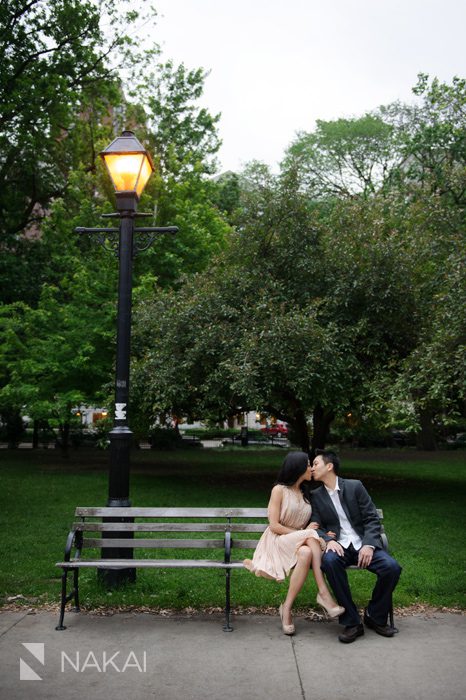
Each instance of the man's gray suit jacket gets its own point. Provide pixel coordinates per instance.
(357, 505)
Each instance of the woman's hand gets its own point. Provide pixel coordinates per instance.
(313, 526)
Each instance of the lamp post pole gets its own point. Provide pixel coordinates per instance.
(120, 436)
(129, 166)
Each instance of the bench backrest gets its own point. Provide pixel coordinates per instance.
(170, 521)
(223, 523)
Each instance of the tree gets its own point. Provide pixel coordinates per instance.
(428, 390)
(399, 169)
(430, 380)
(320, 304)
(49, 49)
(182, 136)
(247, 333)
(57, 87)
(346, 157)
(435, 145)
(68, 297)
(395, 147)
(57, 355)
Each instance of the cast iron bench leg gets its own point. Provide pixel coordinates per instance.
(390, 615)
(227, 627)
(60, 625)
(76, 591)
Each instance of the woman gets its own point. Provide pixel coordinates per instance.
(285, 545)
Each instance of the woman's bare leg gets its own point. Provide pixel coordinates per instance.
(297, 580)
(316, 558)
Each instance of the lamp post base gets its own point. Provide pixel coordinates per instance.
(115, 578)
(112, 579)
(120, 445)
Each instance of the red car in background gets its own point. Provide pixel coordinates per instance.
(277, 430)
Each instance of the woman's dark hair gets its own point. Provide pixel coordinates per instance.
(293, 467)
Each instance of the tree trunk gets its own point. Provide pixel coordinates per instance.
(321, 427)
(35, 435)
(64, 432)
(425, 438)
(301, 433)
(14, 428)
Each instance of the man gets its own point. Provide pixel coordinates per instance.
(351, 528)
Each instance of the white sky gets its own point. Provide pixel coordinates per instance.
(277, 65)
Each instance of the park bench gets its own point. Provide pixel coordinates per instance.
(214, 532)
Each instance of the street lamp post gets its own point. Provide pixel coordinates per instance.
(130, 167)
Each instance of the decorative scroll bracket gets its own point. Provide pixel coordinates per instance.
(109, 239)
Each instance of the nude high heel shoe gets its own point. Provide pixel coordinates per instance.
(287, 629)
(332, 612)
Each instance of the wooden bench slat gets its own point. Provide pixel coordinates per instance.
(177, 512)
(148, 564)
(244, 544)
(173, 543)
(167, 527)
(171, 512)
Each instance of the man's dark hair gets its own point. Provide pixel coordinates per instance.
(330, 456)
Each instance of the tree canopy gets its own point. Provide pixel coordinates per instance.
(334, 287)
(64, 97)
(338, 291)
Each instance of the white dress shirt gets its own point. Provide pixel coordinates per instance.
(348, 534)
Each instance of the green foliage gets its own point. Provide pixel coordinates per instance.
(163, 438)
(59, 289)
(345, 157)
(55, 58)
(246, 333)
(202, 231)
(437, 147)
(337, 285)
(182, 135)
(57, 355)
(58, 93)
(328, 299)
(183, 138)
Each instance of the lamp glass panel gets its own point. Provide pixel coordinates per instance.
(146, 172)
(124, 170)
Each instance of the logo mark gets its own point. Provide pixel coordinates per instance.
(26, 673)
(120, 413)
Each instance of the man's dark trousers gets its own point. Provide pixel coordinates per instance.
(387, 571)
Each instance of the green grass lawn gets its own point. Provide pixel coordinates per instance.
(422, 495)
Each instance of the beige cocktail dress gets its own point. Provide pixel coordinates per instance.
(275, 555)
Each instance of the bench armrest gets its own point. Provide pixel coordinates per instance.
(75, 538)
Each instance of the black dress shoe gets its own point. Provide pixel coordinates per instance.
(384, 630)
(351, 633)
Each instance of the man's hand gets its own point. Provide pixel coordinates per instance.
(333, 546)
(365, 556)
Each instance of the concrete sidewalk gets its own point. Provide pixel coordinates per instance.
(147, 656)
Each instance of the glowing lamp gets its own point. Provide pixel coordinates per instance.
(129, 166)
